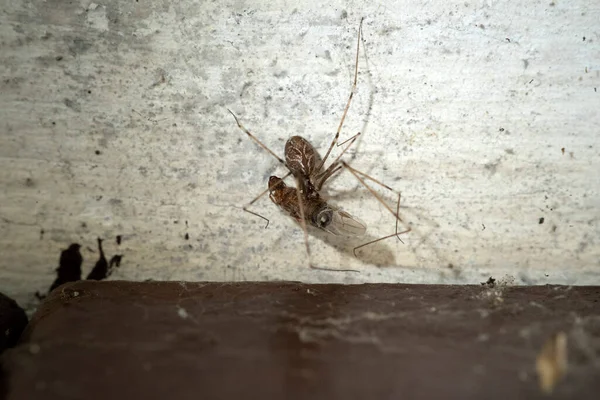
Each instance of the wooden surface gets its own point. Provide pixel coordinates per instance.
(123, 340)
(113, 121)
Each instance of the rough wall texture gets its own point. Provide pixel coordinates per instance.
(483, 114)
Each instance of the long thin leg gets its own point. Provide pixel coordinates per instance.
(334, 167)
(257, 214)
(245, 208)
(346, 141)
(366, 176)
(305, 229)
(380, 239)
(251, 136)
(361, 177)
(337, 134)
(397, 234)
(398, 213)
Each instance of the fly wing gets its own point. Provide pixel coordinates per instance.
(344, 224)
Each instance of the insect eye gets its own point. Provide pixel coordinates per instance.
(324, 218)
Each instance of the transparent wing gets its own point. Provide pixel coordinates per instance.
(344, 224)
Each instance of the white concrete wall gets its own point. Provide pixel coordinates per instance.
(465, 107)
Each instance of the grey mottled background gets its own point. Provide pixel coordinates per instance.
(484, 114)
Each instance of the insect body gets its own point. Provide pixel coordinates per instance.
(304, 202)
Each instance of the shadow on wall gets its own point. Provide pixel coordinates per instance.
(69, 266)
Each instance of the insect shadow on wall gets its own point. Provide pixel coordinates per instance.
(305, 202)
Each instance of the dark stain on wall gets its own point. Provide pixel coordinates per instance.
(100, 270)
(69, 269)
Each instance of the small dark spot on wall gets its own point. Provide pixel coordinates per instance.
(119, 239)
(53, 123)
(29, 182)
(344, 14)
(492, 167)
(89, 92)
(187, 236)
(553, 228)
(115, 202)
(450, 265)
(491, 282)
(563, 150)
(72, 105)
(97, 152)
(244, 87)
(509, 151)
(83, 225)
(79, 46)
(99, 197)
(501, 129)
(42, 234)
(541, 220)
(481, 26)
(584, 38)
(59, 58)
